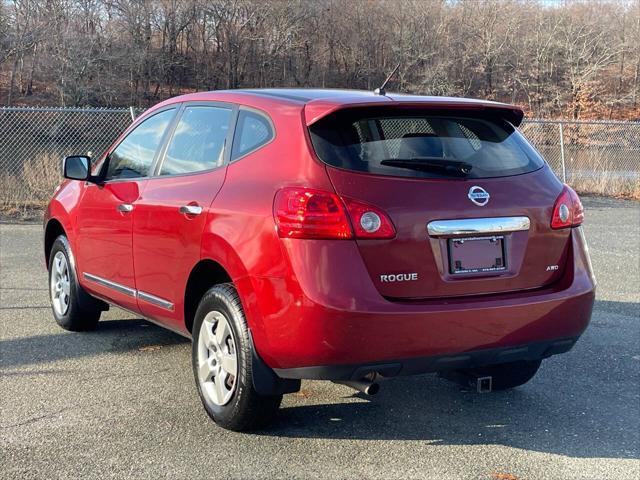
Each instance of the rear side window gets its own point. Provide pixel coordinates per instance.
(135, 154)
(252, 132)
(423, 145)
(198, 141)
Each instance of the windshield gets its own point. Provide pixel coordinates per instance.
(423, 145)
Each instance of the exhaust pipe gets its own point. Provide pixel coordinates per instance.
(366, 386)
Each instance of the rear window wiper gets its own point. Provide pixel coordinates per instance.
(430, 164)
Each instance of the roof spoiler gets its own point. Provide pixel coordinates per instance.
(315, 110)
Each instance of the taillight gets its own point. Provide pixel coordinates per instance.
(310, 213)
(568, 210)
(369, 221)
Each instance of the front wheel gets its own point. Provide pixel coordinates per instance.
(222, 363)
(72, 307)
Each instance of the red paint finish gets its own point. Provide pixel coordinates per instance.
(413, 203)
(166, 242)
(103, 238)
(312, 302)
(321, 107)
(329, 317)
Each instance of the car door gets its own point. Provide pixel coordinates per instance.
(171, 212)
(105, 212)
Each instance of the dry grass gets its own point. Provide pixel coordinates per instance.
(24, 197)
(607, 187)
(41, 176)
(593, 173)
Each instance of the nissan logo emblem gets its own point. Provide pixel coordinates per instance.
(478, 195)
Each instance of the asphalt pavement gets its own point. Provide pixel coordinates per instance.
(120, 402)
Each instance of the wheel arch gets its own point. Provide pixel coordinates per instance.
(53, 230)
(59, 217)
(219, 252)
(208, 273)
(204, 275)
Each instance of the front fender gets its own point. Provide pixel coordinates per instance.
(62, 208)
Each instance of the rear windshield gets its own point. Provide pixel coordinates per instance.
(423, 144)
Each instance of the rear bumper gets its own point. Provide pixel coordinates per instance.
(332, 323)
(415, 366)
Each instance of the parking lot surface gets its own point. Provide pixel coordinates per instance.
(121, 402)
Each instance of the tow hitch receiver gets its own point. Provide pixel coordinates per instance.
(481, 384)
(484, 384)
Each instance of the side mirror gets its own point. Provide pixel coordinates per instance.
(76, 167)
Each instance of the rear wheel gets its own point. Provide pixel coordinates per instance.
(509, 375)
(73, 308)
(222, 363)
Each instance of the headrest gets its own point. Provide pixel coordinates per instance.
(420, 145)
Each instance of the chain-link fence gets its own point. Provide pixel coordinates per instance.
(593, 157)
(601, 157)
(34, 140)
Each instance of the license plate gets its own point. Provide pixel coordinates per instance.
(477, 255)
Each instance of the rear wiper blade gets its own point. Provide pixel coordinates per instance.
(430, 164)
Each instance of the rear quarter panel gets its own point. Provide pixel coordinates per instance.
(240, 233)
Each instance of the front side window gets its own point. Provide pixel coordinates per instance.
(252, 131)
(198, 141)
(423, 144)
(134, 156)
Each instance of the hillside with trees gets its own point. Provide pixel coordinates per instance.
(556, 58)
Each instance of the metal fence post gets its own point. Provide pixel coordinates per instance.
(564, 171)
(133, 113)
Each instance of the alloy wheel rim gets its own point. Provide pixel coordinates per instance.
(60, 284)
(217, 359)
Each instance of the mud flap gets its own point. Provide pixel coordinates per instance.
(265, 380)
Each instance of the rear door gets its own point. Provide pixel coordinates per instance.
(171, 213)
(105, 213)
(471, 201)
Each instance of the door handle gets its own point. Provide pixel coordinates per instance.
(125, 208)
(191, 209)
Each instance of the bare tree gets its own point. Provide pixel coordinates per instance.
(575, 57)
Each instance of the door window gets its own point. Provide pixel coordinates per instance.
(198, 141)
(134, 156)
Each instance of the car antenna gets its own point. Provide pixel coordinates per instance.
(381, 90)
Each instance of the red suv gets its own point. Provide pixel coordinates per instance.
(325, 234)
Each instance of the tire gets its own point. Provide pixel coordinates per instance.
(220, 334)
(73, 308)
(509, 375)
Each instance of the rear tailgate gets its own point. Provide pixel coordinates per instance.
(534, 257)
(422, 164)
